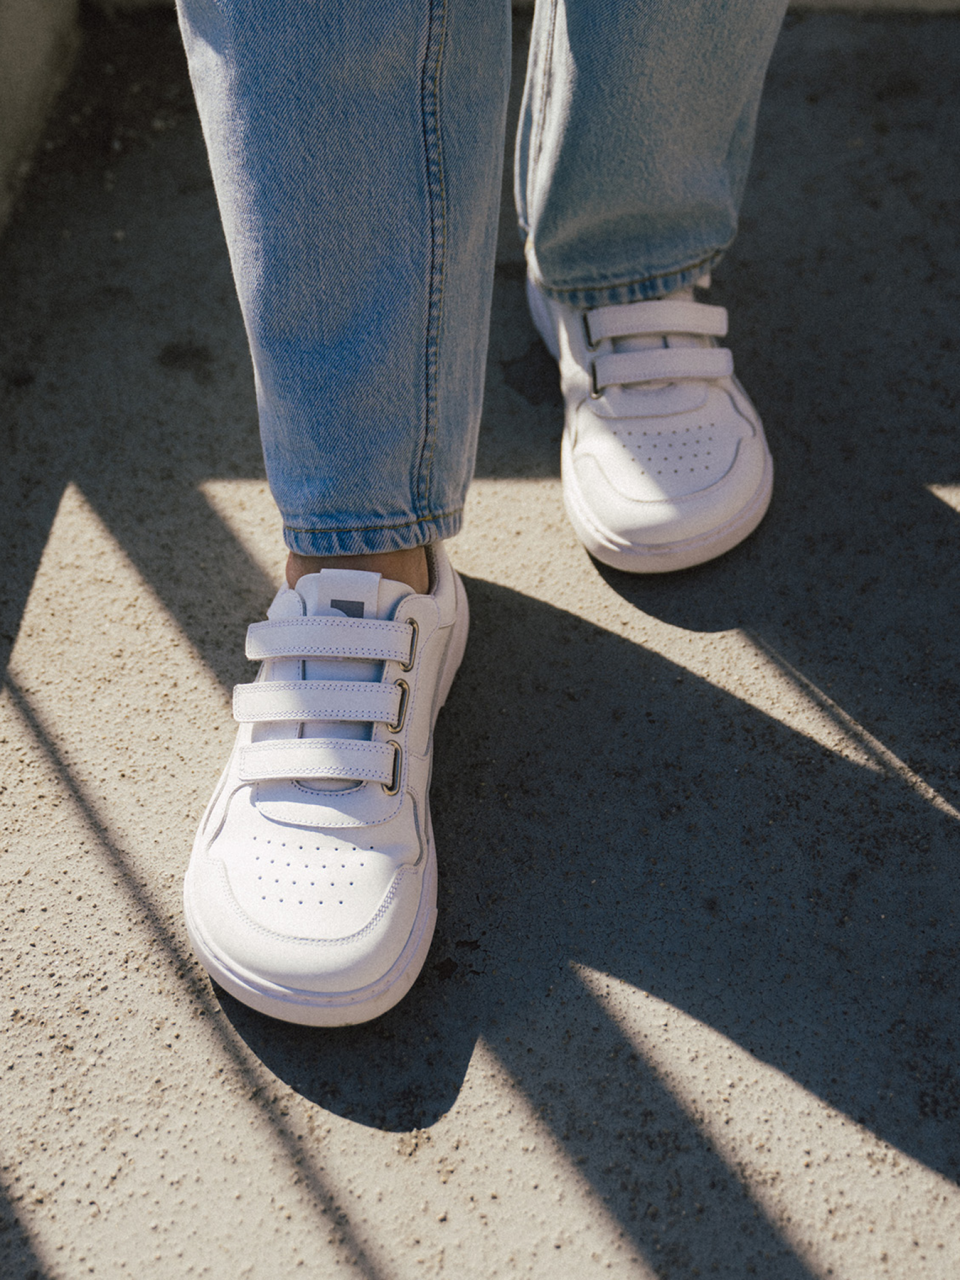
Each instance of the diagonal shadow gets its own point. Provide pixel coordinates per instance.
(628, 1138)
(188, 975)
(842, 290)
(855, 569)
(649, 1163)
(635, 818)
(18, 1257)
(738, 870)
(27, 513)
(210, 585)
(523, 904)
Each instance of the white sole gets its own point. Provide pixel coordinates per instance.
(665, 557)
(346, 1008)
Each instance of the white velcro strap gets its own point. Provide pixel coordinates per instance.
(661, 363)
(330, 638)
(638, 318)
(315, 700)
(318, 758)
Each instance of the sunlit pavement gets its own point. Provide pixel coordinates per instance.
(692, 1005)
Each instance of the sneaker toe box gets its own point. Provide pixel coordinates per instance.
(327, 926)
(646, 481)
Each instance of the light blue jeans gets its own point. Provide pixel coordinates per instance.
(356, 148)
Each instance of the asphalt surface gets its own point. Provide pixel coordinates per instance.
(691, 1009)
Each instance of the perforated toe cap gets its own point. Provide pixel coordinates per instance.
(310, 886)
(671, 478)
(313, 960)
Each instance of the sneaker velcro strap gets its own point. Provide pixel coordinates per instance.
(637, 318)
(316, 700)
(330, 638)
(319, 758)
(661, 363)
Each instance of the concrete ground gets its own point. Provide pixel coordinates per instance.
(691, 1009)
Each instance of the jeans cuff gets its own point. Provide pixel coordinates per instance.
(372, 540)
(642, 289)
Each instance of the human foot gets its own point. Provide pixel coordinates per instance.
(311, 892)
(664, 462)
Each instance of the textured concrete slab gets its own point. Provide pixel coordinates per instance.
(691, 1009)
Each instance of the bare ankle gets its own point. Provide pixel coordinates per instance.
(409, 566)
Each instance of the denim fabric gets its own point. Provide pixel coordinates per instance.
(356, 150)
(635, 139)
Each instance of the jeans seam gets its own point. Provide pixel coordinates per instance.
(436, 197)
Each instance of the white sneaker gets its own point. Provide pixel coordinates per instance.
(311, 893)
(664, 461)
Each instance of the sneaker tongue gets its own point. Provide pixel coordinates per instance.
(354, 593)
(346, 593)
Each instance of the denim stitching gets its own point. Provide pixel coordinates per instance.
(436, 194)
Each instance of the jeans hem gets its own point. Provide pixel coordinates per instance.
(374, 539)
(641, 289)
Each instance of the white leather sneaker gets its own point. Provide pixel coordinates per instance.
(664, 462)
(311, 893)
